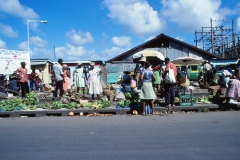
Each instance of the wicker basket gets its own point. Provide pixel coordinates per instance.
(81, 101)
(108, 92)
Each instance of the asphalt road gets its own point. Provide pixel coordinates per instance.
(214, 135)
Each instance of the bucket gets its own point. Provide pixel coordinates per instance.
(148, 109)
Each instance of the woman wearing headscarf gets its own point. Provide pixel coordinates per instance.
(80, 75)
(147, 93)
(233, 90)
(66, 76)
(94, 86)
(157, 81)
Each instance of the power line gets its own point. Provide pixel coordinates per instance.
(218, 39)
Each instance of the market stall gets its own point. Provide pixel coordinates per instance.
(185, 95)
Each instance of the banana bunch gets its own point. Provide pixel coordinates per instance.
(96, 106)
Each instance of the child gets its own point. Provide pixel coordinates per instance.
(133, 84)
(133, 81)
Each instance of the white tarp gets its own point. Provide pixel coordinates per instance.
(10, 60)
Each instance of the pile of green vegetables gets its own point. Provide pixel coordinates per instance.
(131, 99)
(123, 103)
(101, 104)
(31, 102)
(201, 99)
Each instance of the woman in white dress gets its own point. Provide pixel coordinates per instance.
(80, 75)
(94, 86)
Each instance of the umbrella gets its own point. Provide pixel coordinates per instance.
(188, 61)
(152, 56)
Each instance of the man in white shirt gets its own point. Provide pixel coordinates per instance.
(58, 75)
(207, 72)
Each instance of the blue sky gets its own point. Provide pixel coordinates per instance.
(102, 29)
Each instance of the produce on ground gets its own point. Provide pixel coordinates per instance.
(201, 99)
(131, 99)
(101, 104)
(31, 102)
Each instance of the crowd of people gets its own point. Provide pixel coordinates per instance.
(146, 80)
(82, 76)
(149, 78)
(21, 80)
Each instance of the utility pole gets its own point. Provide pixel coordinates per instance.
(54, 53)
(218, 40)
(233, 37)
(211, 35)
(202, 39)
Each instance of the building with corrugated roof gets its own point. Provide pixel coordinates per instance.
(168, 46)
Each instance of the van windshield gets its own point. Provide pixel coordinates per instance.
(192, 68)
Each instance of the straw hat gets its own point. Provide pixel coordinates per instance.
(79, 64)
(143, 59)
(92, 63)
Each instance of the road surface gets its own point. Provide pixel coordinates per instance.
(189, 136)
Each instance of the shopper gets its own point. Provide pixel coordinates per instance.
(207, 69)
(94, 86)
(157, 81)
(169, 88)
(23, 79)
(58, 76)
(40, 79)
(79, 81)
(147, 94)
(179, 71)
(33, 78)
(141, 68)
(66, 76)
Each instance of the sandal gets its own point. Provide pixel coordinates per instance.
(168, 106)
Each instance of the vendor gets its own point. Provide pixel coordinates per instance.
(126, 81)
(233, 90)
(224, 78)
(134, 85)
(13, 84)
(2, 84)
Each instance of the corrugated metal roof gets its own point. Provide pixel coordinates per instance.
(37, 63)
(161, 36)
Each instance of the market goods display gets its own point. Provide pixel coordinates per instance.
(31, 102)
(131, 99)
(201, 99)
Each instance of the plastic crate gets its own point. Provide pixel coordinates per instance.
(185, 96)
(186, 103)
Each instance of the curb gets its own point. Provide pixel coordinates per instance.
(112, 111)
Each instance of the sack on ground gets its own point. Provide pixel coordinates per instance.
(119, 95)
